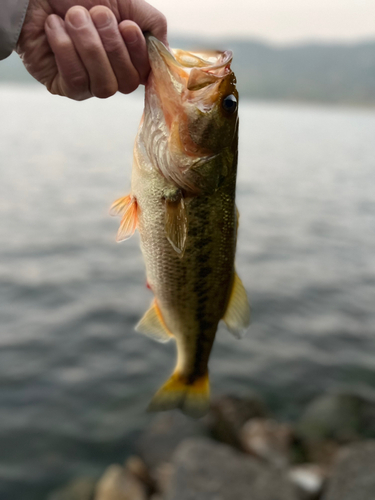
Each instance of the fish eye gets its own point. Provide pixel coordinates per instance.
(229, 103)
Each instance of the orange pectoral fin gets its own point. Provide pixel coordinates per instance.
(120, 206)
(128, 208)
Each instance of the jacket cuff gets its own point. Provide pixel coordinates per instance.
(12, 16)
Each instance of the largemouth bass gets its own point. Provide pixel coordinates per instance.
(182, 201)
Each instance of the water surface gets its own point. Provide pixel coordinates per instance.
(74, 377)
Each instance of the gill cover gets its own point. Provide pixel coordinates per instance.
(185, 125)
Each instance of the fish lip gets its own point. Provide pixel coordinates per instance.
(161, 49)
(223, 58)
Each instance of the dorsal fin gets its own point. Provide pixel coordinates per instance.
(237, 315)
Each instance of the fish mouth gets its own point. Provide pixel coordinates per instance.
(183, 110)
(195, 69)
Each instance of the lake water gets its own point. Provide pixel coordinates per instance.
(75, 378)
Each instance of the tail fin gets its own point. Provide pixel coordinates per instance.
(191, 397)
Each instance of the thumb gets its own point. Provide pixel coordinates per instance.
(146, 16)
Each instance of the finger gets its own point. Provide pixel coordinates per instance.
(146, 16)
(117, 53)
(103, 82)
(137, 48)
(72, 79)
(61, 7)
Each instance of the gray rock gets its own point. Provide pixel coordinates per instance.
(322, 453)
(338, 417)
(79, 489)
(162, 476)
(118, 483)
(229, 413)
(165, 433)
(137, 467)
(354, 475)
(205, 470)
(269, 440)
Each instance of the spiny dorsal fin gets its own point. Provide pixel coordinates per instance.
(176, 224)
(237, 315)
(152, 324)
(127, 207)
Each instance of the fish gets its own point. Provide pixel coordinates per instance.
(182, 202)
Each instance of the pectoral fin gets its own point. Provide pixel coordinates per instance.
(152, 324)
(127, 207)
(119, 206)
(237, 315)
(176, 224)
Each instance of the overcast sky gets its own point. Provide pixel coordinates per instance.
(282, 21)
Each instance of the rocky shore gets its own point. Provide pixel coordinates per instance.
(238, 451)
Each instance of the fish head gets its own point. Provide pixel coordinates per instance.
(195, 96)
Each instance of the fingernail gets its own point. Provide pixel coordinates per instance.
(130, 36)
(78, 17)
(53, 22)
(102, 19)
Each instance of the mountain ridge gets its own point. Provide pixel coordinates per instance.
(311, 71)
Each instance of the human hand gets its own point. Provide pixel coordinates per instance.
(85, 48)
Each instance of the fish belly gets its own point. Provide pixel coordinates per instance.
(192, 291)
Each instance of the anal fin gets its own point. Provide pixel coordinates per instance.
(237, 315)
(152, 324)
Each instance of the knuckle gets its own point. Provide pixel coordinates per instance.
(90, 50)
(63, 45)
(162, 21)
(129, 86)
(111, 45)
(105, 91)
(77, 83)
(78, 97)
(160, 25)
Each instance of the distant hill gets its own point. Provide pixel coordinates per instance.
(332, 73)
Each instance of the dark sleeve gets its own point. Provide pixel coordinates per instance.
(12, 16)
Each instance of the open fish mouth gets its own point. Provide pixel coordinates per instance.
(197, 69)
(186, 125)
(211, 60)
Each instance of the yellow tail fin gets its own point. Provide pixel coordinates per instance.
(193, 398)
